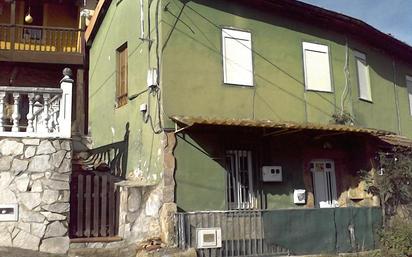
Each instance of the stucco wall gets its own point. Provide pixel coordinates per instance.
(194, 43)
(35, 174)
(107, 122)
(201, 179)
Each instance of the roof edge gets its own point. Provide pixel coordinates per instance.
(96, 20)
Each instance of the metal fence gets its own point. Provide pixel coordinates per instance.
(242, 233)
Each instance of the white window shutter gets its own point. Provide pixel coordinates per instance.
(363, 77)
(237, 57)
(316, 66)
(409, 86)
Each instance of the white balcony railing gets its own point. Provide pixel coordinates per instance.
(36, 111)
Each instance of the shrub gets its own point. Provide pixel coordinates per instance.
(396, 239)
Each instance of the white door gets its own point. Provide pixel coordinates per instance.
(324, 183)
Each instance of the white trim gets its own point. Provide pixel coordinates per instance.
(409, 90)
(364, 86)
(235, 71)
(326, 84)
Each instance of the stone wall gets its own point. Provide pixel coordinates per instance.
(35, 174)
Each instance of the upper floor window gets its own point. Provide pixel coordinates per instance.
(363, 76)
(409, 86)
(121, 75)
(316, 67)
(237, 57)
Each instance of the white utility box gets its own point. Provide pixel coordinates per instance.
(299, 196)
(9, 212)
(208, 238)
(272, 173)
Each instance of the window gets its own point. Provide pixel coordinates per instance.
(363, 77)
(237, 57)
(409, 86)
(121, 80)
(316, 66)
(240, 194)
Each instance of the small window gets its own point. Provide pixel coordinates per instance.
(409, 86)
(121, 80)
(240, 193)
(316, 65)
(237, 57)
(363, 77)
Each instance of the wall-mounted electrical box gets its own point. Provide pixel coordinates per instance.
(208, 238)
(9, 212)
(152, 78)
(299, 196)
(272, 173)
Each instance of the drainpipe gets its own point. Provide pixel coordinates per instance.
(396, 95)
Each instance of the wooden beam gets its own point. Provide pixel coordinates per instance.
(96, 239)
(41, 57)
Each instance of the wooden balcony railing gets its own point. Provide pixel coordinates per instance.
(36, 111)
(40, 39)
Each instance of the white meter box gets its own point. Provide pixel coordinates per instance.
(208, 238)
(299, 196)
(272, 174)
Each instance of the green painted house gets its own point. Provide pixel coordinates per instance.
(253, 117)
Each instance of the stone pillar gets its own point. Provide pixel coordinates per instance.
(169, 208)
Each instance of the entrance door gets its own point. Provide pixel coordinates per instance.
(324, 183)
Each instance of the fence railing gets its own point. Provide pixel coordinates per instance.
(39, 38)
(242, 233)
(36, 111)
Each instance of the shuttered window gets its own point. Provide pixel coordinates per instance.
(237, 57)
(316, 66)
(363, 76)
(409, 86)
(121, 83)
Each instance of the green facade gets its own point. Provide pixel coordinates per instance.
(191, 84)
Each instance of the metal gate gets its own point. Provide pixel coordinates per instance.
(242, 233)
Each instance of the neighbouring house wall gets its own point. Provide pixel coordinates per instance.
(107, 122)
(5, 13)
(61, 15)
(194, 43)
(35, 174)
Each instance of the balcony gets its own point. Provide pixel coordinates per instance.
(36, 111)
(39, 44)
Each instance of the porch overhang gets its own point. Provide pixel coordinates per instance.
(396, 140)
(270, 124)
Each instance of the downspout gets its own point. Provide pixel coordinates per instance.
(396, 96)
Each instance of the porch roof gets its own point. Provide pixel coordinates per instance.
(190, 121)
(397, 140)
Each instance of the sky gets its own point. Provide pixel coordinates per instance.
(388, 16)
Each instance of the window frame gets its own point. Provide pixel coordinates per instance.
(408, 78)
(121, 93)
(223, 53)
(316, 47)
(234, 176)
(360, 56)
